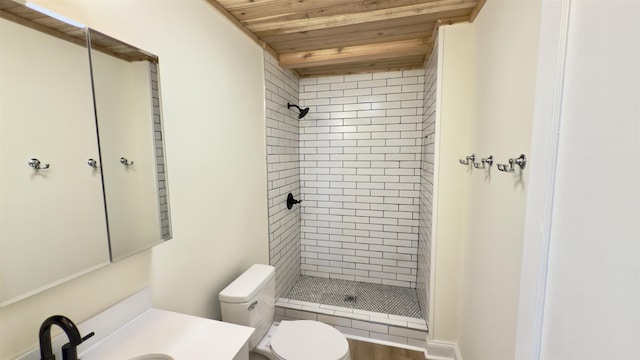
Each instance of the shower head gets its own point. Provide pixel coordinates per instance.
(302, 111)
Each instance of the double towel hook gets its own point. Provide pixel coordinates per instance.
(468, 160)
(520, 161)
(483, 163)
(486, 163)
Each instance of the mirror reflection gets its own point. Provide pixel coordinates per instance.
(128, 117)
(52, 224)
(71, 201)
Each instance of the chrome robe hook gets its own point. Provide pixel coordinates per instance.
(125, 162)
(93, 163)
(35, 163)
(468, 160)
(520, 161)
(483, 163)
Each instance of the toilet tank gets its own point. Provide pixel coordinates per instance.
(250, 301)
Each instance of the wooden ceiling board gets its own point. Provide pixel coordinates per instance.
(391, 30)
(330, 37)
(293, 8)
(431, 10)
(4, 4)
(354, 54)
(362, 32)
(119, 49)
(283, 10)
(15, 8)
(14, 14)
(35, 20)
(310, 4)
(313, 37)
(408, 63)
(346, 40)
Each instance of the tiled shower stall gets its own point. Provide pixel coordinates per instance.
(355, 252)
(360, 176)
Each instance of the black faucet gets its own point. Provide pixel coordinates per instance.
(69, 350)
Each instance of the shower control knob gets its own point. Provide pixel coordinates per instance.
(291, 201)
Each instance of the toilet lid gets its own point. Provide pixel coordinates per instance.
(309, 340)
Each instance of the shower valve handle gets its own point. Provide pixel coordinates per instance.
(291, 201)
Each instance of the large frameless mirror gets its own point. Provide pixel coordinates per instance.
(52, 223)
(127, 103)
(71, 201)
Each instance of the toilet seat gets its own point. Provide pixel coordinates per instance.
(309, 340)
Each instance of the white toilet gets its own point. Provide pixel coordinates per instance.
(250, 301)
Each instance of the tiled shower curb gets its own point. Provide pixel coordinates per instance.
(366, 324)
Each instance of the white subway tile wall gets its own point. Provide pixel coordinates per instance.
(360, 157)
(163, 194)
(283, 173)
(426, 180)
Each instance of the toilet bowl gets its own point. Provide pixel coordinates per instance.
(250, 300)
(303, 339)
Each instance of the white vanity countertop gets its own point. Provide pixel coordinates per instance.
(177, 335)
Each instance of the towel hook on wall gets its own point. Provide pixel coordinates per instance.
(520, 161)
(35, 163)
(124, 161)
(468, 160)
(93, 163)
(483, 163)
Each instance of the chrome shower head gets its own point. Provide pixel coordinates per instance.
(302, 111)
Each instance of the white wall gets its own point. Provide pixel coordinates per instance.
(592, 304)
(480, 214)
(451, 179)
(505, 43)
(213, 105)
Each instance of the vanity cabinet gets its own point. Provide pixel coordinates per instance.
(82, 170)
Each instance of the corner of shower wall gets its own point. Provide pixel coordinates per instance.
(426, 181)
(283, 172)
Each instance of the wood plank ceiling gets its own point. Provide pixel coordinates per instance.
(331, 37)
(26, 16)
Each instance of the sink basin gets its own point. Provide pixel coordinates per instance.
(153, 357)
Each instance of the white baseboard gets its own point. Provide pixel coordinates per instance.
(442, 350)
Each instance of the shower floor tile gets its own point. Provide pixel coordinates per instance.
(387, 299)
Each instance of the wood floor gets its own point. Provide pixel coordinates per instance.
(361, 350)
